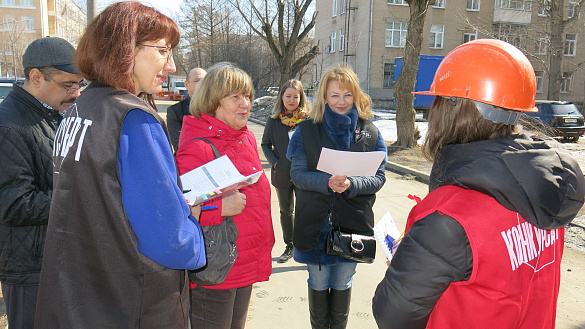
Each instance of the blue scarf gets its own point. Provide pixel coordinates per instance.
(341, 127)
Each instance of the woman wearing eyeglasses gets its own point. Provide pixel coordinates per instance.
(120, 233)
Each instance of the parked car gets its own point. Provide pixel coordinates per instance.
(5, 88)
(272, 91)
(559, 119)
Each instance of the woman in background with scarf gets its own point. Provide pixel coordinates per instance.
(289, 110)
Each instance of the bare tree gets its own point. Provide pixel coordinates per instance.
(207, 26)
(407, 79)
(13, 42)
(214, 34)
(555, 12)
(284, 38)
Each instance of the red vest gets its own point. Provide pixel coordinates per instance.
(516, 266)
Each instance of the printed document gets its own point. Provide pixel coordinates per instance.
(387, 235)
(345, 163)
(213, 179)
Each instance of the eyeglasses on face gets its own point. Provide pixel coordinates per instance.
(165, 51)
(69, 86)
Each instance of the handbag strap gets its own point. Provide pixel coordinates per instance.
(215, 151)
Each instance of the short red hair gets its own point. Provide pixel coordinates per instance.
(107, 48)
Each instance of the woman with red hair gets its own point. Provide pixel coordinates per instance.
(121, 234)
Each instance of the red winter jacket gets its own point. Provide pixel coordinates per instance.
(256, 235)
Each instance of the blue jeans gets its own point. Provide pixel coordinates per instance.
(338, 276)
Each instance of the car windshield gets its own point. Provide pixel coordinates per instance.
(564, 109)
(4, 90)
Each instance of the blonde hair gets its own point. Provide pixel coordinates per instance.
(348, 80)
(222, 79)
(303, 104)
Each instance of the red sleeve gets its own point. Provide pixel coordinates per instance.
(193, 154)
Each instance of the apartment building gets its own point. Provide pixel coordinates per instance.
(369, 35)
(23, 21)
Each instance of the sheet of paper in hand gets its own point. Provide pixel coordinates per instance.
(345, 163)
(213, 179)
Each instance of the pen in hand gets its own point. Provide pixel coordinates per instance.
(208, 207)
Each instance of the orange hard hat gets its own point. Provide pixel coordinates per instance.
(489, 71)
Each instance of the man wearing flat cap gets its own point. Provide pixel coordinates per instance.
(29, 117)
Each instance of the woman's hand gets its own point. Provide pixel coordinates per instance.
(339, 183)
(195, 210)
(233, 204)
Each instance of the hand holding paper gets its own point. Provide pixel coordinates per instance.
(387, 235)
(345, 163)
(213, 179)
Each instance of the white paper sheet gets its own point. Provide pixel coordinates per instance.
(220, 175)
(344, 163)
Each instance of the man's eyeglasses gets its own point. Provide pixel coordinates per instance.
(68, 88)
(165, 51)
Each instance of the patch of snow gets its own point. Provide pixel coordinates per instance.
(387, 125)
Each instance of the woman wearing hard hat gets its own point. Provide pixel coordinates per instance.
(484, 248)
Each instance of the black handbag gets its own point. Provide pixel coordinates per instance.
(220, 248)
(357, 247)
(220, 251)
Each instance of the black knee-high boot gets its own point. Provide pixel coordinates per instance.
(319, 308)
(339, 301)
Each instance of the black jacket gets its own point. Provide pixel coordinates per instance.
(274, 145)
(27, 131)
(531, 176)
(351, 214)
(175, 114)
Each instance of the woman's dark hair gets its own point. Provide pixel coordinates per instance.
(107, 48)
(459, 124)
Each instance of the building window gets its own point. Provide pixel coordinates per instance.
(567, 82)
(544, 8)
(511, 33)
(334, 2)
(570, 44)
(26, 3)
(439, 4)
(541, 46)
(469, 36)
(8, 2)
(539, 81)
(341, 40)
(29, 22)
(396, 33)
(473, 5)
(573, 9)
(389, 69)
(514, 4)
(333, 41)
(437, 36)
(343, 4)
(397, 2)
(8, 22)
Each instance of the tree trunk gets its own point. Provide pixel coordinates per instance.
(406, 81)
(556, 50)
